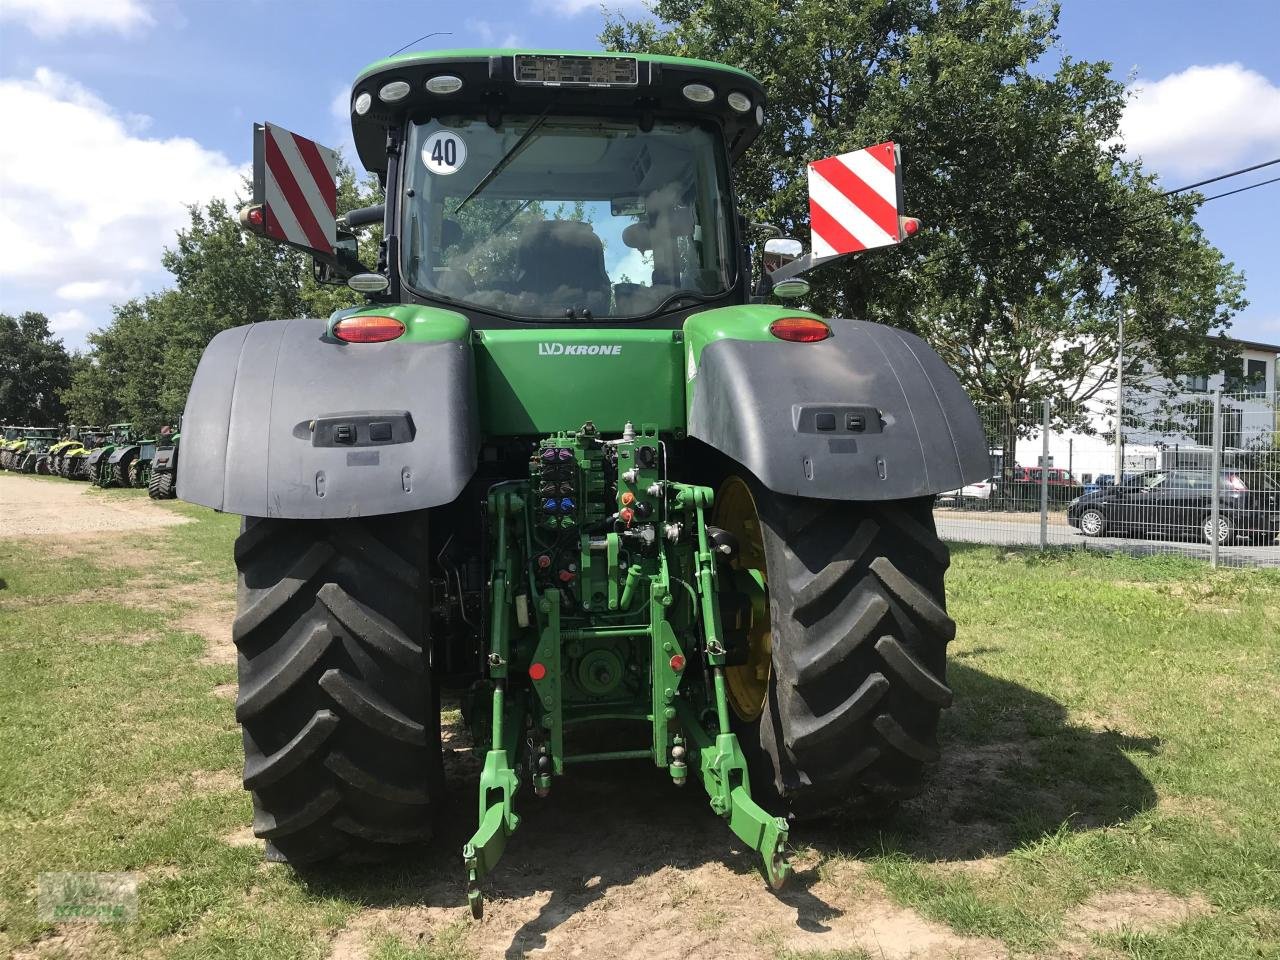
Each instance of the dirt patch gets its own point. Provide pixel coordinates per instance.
(1137, 910)
(242, 838)
(711, 911)
(227, 691)
(40, 508)
(215, 781)
(649, 872)
(70, 940)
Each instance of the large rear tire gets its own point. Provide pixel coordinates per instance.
(160, 486)
(858, 631)
(340, 717)
(120, 472)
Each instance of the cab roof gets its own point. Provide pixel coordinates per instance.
(494, 81)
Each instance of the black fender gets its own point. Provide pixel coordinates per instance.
(95, 456)
(871, 413)
(284, 421)
(165, 460)
(123, 453)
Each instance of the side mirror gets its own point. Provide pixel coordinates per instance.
(781, 250)
(345, 262)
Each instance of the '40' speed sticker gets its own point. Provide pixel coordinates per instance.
(444, 152)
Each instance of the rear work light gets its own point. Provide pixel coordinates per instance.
(800, 329)
(367, 329)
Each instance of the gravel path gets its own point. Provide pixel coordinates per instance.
(39, 507)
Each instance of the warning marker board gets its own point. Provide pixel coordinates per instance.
(854, 201)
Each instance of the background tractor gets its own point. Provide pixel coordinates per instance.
(65, 454)
(104, 465)
(10, 436)
(75, 461)
(33, 455)
(576, 462)
(162, 472)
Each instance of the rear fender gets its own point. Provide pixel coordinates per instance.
(123, 453)
(871, 413)
(283, 420)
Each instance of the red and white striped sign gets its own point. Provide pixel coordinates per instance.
(853, 201)
(300, 190)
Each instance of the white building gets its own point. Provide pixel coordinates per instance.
(1165, 419)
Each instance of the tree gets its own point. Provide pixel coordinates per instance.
(1039, 234)
(118, 380)
(34, 369)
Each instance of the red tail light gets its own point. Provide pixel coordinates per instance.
(800, 329)
(367, 329)
(1235, 483)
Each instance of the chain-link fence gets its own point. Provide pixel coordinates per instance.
(1199, 476)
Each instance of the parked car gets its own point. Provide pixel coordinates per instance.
(1024, 485)
(1181, 502)
(981, 490)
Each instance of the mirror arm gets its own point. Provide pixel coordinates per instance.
(802, 265)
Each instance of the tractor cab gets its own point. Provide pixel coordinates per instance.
(559, 187)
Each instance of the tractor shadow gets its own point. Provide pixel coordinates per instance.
(1013, 771)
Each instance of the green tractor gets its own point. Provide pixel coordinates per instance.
(104, 466)
(131, 461)
(162, 472)
(579, 461)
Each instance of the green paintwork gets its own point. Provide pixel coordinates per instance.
(422, 324)
(526, 390)
(748, 321)
(444, 56)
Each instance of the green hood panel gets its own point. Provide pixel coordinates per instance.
(533, 382)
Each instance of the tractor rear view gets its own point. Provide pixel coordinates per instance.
(578, 461)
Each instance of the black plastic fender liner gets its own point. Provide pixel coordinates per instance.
(249, 443)
(871, 413)
(119, 453)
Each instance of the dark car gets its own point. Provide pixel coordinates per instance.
(1173, 502)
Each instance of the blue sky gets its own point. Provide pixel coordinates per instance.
(133, 107)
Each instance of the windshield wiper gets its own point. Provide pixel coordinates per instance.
(506, 158)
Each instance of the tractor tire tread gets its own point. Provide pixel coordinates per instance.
(859, 635)
(340, 719)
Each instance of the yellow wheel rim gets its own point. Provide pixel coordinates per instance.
(748, 684)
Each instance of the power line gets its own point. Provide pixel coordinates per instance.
(1252, 186)
(425, 36)
(1224, 176)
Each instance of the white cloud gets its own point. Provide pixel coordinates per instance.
(115, 290)
(88, 204)
(492, 36)
(53, 18)
(68, 321)
(571, 8)
(1202, 120)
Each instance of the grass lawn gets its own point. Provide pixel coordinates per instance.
(1112, 752)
